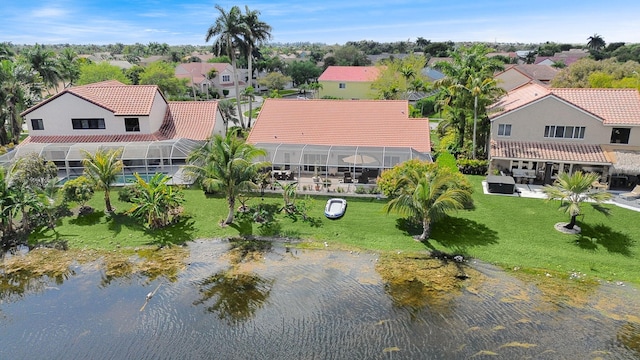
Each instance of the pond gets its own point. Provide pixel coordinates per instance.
(280, 303)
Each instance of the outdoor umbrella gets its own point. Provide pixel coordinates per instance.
(359, 159)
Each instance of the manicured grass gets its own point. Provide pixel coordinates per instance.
(508, 231)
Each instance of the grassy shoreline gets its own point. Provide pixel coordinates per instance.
(511, 232)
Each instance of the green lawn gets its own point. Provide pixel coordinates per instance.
(508, 231)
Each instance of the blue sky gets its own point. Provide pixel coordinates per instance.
(326, 21)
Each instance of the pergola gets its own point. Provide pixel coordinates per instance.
(143, 157)
(331, 160)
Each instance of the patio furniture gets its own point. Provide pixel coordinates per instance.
(599, 186)
(347, 178)
(633, 194)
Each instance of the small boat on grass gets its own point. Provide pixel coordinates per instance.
(335, 208)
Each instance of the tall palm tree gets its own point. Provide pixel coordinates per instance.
(228, 33)
(69, 67)
(428, 197)
(44, 62)
(249, 94)
(19, 89)
(226, 164)
(467, 63)
(228, 112)
(573, 190)
(257, 32)
(102, 168)
(596, 42)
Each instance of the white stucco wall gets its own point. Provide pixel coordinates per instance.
(58, 113)
(528, 124)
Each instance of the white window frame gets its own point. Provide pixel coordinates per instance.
(226, 78)
(342, 85)
(504, 130)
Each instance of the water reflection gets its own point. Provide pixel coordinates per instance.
(235, 295)
(271, 302)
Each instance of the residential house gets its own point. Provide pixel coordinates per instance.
(156, 134)
(566, 57)
(546, 131)
(348, 82)
(515, 76)
(199, 75)
(336, 137)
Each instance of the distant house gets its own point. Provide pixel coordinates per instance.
(515, 76)
(198, 75)
(566, 57)
(156, 135)
(337, 136)
(348, 82)
(547, 131)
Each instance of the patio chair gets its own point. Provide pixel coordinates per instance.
(633, 194)
(599, 186)
(347, 178)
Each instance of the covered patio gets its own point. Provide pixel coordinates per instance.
(327, 166)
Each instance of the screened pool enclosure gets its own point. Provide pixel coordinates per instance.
(143, 157)
(323, 160)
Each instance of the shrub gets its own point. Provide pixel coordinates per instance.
(473, 166)
(78, 190)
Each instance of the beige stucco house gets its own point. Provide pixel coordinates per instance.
(515, 76)
(348, 82)
(156, 134)
(546, 131)
(198, 75)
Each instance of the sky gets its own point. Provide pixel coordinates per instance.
(327, 21)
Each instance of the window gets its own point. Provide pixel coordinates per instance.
(342, 86)
(620, 135)
(504, 130)
(36, 124)
(564, 132)
(226, 78)
(87, 124)
(132, 124)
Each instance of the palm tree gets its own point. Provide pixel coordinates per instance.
(572, 190)
(155, 201)
(467, 63)
(596, 42)
(257, 32)
(228, 33)
(226, 164)
(249, 94)
(102, 168)
(44, 62)
(19, 89)
(69, 67)
(228, 112)
(428, 197)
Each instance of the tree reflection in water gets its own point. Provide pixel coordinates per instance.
(236, 296)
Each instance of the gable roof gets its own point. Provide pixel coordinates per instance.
(197, 71)
(112, 95)
(350, 73)
(340, 122)
(612, 106)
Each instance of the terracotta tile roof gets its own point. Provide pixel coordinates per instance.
(92, 138)
(350, 73)
(543, 73)
(340, 122)
(612, 106)
(517, 98)
(198, 70)
(548, 151)
(193, 120)
(114, 96)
